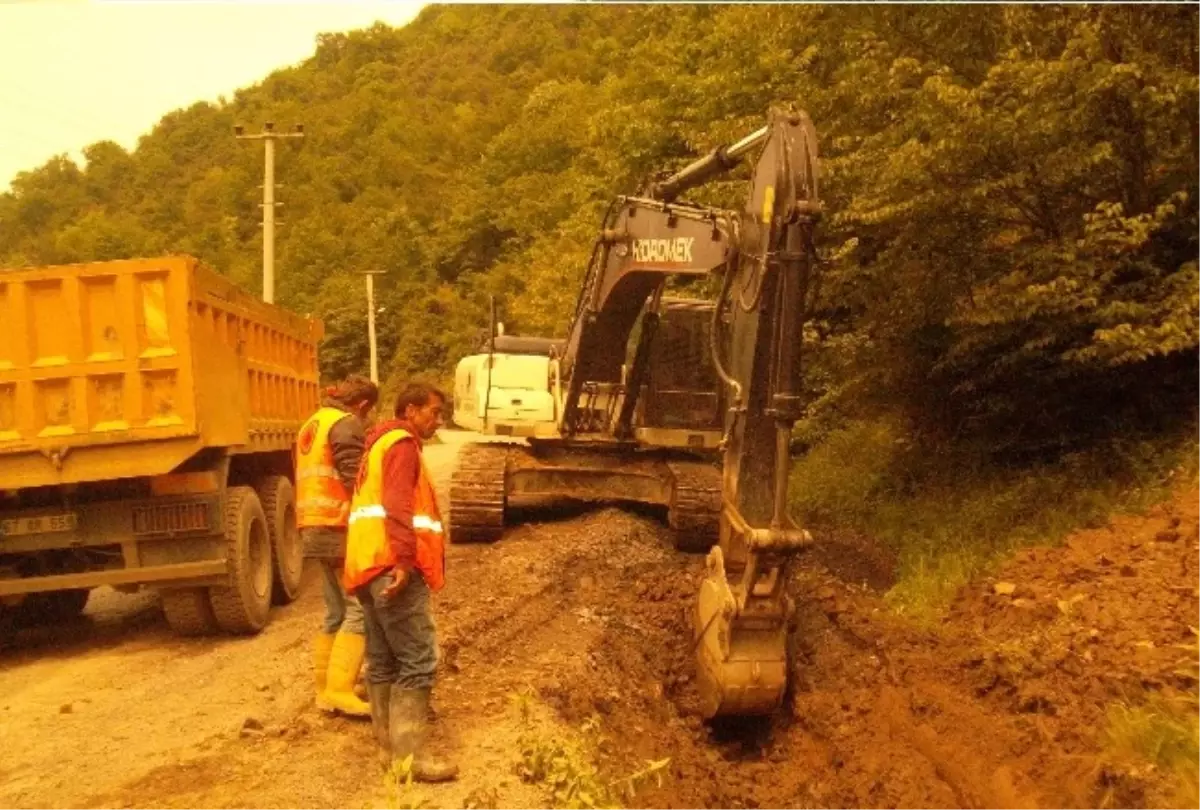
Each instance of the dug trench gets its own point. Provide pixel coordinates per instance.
(586, 620)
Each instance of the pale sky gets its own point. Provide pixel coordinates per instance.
(74, 72)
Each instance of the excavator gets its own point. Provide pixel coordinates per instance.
(681, 404)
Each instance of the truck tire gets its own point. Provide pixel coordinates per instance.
(244, 605)
(68, 604)
(188, 611)
(279, 503)
(52, 607)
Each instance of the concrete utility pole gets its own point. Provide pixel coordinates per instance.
(268, 136)
(370, 274)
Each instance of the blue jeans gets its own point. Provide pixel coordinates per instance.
(401, 637)
(342, 613)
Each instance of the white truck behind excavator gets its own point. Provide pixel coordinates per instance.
(509, 388)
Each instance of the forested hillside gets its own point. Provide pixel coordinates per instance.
(1010, 243)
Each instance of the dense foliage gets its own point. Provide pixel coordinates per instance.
(1011, 237)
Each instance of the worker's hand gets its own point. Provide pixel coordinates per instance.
(399, 580)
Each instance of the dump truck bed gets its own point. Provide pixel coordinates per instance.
(125, 369)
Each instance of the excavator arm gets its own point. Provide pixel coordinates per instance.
(765, 255)
(742, 610)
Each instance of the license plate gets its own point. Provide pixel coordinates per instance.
(45, 524)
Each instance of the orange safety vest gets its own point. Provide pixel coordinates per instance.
(368, 552)
(321, 498)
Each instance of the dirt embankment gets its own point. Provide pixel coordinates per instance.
(1002, 705)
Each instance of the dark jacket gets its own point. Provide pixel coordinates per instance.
(346, 440)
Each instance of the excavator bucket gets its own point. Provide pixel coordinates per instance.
(741, 656)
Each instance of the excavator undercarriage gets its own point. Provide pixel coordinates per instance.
(492, 481)
(686, 406)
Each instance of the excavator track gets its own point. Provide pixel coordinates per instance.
(477, 494)
(695, 512)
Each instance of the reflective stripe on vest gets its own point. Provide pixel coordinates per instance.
(425, 522)
(321, 498)
(373, 511)
(367, 549)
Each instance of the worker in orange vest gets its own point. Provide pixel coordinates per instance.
(328, 450)
(395, 556)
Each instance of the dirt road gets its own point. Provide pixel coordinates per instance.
(586, 617)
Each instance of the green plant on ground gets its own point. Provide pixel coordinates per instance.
(1159, 731)
(401, 790)
(1164, 733)
(564, 764)
(482, 798)
(398, 783)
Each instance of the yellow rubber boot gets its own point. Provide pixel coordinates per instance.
(345, 661)
(322, 647)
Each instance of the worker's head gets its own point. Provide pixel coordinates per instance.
(421, 406)
(357, 394)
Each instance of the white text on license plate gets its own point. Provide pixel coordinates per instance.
(45, 524)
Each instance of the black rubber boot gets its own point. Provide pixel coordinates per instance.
(408, 726)
(379, 695)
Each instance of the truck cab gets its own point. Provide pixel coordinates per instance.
(510, 387)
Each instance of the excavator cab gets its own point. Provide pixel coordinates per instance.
(683, 391)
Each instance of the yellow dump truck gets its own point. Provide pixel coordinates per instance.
(147, 416)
